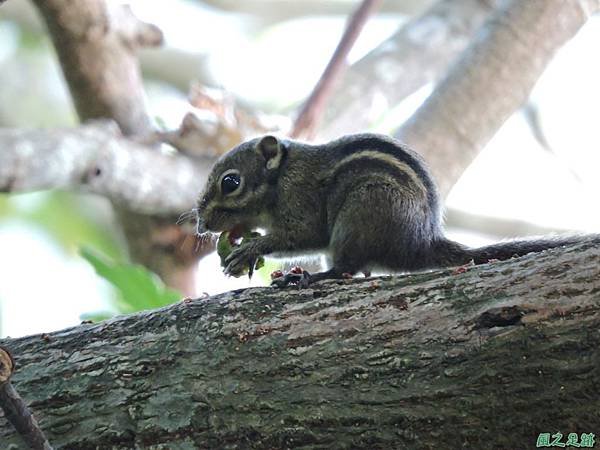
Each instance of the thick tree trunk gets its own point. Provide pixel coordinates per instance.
(478, 357)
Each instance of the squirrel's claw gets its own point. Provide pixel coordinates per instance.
(300, 280)
(242, 258)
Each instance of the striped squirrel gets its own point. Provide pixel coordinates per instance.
(365, 199)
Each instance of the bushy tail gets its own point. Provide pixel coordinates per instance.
(450, 253)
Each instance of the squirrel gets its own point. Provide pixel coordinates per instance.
(366, 200)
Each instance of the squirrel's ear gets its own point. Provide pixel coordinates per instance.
(271, 149)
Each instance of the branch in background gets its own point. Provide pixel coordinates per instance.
(490, 81)
(417, 54)
(97, 158)
(312, 110)
(15, 409)
(218, 123)
(156, 63)
(96, 46)
(496, 227)
(142, 179)
(234, 115)
(414, 56)
(278, 10)
(132, 31)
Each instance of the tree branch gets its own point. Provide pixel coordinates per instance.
(312, 110)
(142, 179)
(419, 361)
(156, 63)
(97, 158)
(15, 409)
(96, 46)
(219, 123)
(490, 81)
(417, 54)
(277, 10)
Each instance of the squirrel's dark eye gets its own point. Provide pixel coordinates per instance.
(230, 183)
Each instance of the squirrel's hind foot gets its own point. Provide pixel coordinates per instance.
(302, 278)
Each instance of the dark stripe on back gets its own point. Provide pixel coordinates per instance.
(365, 164)
(360, 142)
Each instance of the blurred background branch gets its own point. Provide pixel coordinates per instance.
(97, 158)
(484, 87)
(311, 112)
(417, 54)
(289, 9)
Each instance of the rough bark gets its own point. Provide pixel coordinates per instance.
(481, 357)
(490, 81)
(15, 410)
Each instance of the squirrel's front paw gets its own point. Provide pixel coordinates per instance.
(240, 260)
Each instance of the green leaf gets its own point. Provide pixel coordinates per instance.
(138, 289)
(71, 222)
(225, 247)
(69, 219)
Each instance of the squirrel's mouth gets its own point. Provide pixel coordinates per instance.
(236, 232)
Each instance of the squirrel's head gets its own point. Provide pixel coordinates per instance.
(241, 185)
